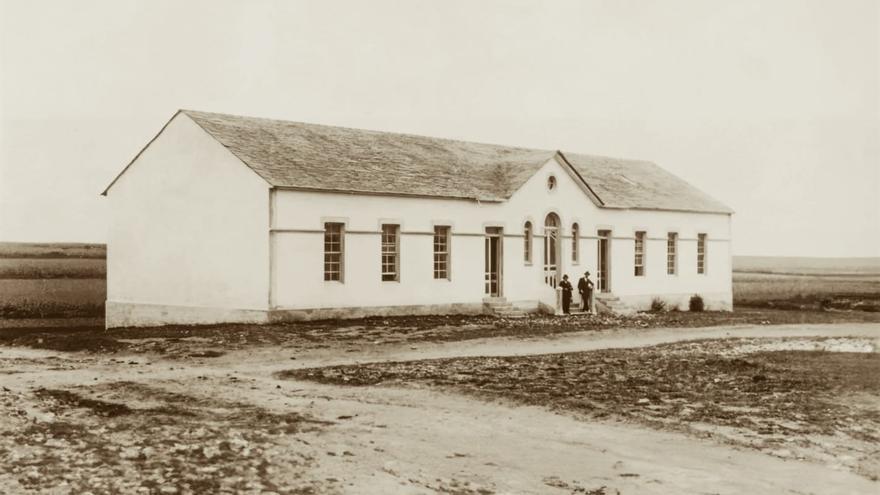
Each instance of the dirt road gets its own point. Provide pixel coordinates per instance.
(387, 440)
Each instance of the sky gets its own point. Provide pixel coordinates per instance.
(771, 106)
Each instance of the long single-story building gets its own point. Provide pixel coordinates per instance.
(222, 218)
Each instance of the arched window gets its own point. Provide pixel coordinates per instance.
(551, 250)
(575, 242)
(527, 240)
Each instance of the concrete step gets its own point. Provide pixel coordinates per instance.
(609, 303)
(511, 314)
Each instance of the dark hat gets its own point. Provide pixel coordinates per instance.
(586, 273)
(565, 276)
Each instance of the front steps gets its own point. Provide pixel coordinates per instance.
(607, 302)
(499, 307)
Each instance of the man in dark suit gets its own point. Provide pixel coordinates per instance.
(565, 285)
(585, 288)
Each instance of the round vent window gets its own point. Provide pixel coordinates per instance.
(551, 182)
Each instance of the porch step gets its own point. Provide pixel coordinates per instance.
(607, 302)
(499, 307)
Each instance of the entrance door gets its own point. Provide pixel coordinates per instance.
(551, 250)
(602, 261)
(493, 261)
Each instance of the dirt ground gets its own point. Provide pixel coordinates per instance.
(85, 334)
(215, 413)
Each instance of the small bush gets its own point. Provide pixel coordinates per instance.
(696, 303)
(658, 305)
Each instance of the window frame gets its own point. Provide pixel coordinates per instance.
(328, 255)
(672, 253)
(528, 250)
(443, 232)
(702, 252)
(575, 243)
(394, 252)
(639, 253)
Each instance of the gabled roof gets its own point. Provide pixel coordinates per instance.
(311, 156)
(637, 184)
(318, 157)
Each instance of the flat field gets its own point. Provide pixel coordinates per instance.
(52, 250)
(792, 265)
(52, 268)
(807, 283)
(52, 280)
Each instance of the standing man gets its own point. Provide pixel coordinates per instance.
(585, 288)
(566, 294)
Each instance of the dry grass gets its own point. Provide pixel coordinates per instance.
(52, 250)
(43, 268)
(52, 280)
(806, 266)
(51, 298)
(807, 291)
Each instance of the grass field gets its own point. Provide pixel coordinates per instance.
(52, 250)
(807, 283)
(52, 280)
(52, 268)
(807, 266)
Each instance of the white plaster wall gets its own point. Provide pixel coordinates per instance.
(298, 253)
(188, 226)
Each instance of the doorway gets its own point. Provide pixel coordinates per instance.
(602, 264)
(493, 261)
(551, 250)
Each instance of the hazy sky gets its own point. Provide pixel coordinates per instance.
(771, 106)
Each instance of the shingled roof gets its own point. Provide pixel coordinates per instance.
(326, 158)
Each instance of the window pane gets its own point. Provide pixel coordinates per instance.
(390, 248)
(441, 252)
(671, 246)
(333, 251)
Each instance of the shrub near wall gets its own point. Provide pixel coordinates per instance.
(658, 305)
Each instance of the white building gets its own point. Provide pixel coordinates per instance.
(233, 219)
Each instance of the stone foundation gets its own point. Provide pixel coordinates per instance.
(719, 301)
(282, 315)
(122, 314)
(119, 314)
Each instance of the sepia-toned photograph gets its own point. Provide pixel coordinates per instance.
(562, 247)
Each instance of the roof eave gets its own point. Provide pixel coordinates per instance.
(139, 153)
(580, 180)
(387, 193)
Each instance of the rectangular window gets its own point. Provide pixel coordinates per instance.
(527, 239)
(701, 254)
(671, 253)
(640, 255)
(390, 253)
(441, 253)
(575, 242)
(333, 251)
